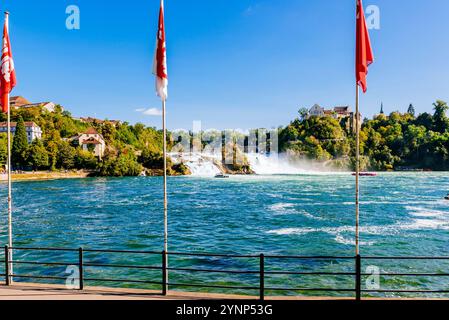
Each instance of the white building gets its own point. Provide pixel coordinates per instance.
(316, 111)
(33, 130)
(92, 141)
(22, 103)
(48, 106)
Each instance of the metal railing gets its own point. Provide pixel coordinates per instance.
(356, 275)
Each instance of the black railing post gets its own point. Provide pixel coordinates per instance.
(262, 277)
(7, 275)
(358, 277)
(164, 273)
(81, 268)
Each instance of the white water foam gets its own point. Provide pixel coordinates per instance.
(336, 232)
(439, 223)
(289, 208)
(425, 212)
(205, 164)
(199, 164)
(273, 164)
(282, 207)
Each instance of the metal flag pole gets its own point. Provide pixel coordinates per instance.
(357, 171)
(160, 71)
(164, 129)
(10, 243)
(10, 240)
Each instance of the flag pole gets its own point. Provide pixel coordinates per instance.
(10, 243)
(357, 171)
(10, 240)
(164, 129)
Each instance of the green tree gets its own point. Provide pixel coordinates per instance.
(411, 110)
(19, 145)
(122, 165)
(66, 156)
(440, 120)
(151, 159)
(303, 113)
(3, 149)
(85, 160)
(425, 119)
(37, 156)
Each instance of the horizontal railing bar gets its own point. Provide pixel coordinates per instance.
(214, 271)
(44, 263)
(211, 286)
(311, 273)
(309, 289)
(121, 251)
(404, 258)
(42, 249)
(235, 255)
(407, 291)
(310, 257)
(212, 255)
(409, 274)
(121, 266)
(123, 281)
(38, 277)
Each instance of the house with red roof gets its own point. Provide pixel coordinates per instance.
(92, 141)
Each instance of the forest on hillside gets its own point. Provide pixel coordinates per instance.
(399, 141)
(130, 148)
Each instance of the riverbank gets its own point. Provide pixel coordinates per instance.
(45, 175)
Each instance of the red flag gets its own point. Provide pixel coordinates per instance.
(8, 74)
(160, 58)
(364, 53)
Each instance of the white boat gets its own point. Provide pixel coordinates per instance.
(221, 176)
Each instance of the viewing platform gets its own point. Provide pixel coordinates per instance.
(29, 291)
(254, 277)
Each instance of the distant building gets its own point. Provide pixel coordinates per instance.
(33, 130)
(49, 106)
(316, 111)
(340, 113)
(352, 122)
(21, 103)
(18, 101)
(382, 113)
(91, 120)
(92, 141)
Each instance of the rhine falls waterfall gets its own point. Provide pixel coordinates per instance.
(202, 164)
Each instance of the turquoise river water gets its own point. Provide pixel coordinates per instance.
(401, 214)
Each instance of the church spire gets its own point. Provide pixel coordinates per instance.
(382, 108)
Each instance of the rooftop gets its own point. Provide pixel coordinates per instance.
(91, 131)
(91, 141)
(14, 124)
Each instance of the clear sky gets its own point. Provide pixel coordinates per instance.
(232, 63)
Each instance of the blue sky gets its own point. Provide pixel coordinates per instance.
(232, 63)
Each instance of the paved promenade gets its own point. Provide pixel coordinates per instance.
(22, 291)
(26, 291)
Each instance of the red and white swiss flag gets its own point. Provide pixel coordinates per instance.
(364, 52)
(160, 58)
(8, 73)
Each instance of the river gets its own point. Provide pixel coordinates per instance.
(307, 214)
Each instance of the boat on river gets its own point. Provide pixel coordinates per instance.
(221, 176)
(366, 174)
